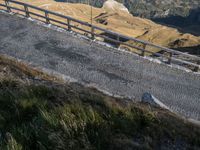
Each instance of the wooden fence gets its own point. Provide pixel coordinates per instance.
(170, 55)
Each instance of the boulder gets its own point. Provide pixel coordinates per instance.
(114, 6)
(149, 99)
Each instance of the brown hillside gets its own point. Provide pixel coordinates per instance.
(121, 21)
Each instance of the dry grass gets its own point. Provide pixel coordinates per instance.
(12, 68)
(121, 22)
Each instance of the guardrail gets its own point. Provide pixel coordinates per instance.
(171, 57)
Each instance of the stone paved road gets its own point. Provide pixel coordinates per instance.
(117, 72)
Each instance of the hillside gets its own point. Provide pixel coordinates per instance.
(183, 14)
(39, 111)
(150, 9)
(123, 22)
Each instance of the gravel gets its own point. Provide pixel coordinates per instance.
(110, 70)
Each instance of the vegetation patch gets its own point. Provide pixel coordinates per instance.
(53, 116)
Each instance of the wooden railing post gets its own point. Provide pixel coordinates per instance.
(47, 17)
(119, 42)
(170, 57)
(92, 33)
(7, 5)
(143, 51)
(69, 25)
(26, 11)
(196, 69)
(118, 39)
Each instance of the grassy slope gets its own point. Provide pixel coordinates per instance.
(47, 114)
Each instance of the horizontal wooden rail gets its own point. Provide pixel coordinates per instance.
(2, 5)
(38, 15)
(16, 8)
(147, 43)
(70, 25)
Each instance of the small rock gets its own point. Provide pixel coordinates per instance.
(148, 98)
(4, 69)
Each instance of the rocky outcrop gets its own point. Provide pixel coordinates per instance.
(112, 5)
(151, 8)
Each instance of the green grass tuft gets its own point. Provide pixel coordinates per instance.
(60, 118)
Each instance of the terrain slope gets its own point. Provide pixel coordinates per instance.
(41, 111)
(110, 70)
(151, 8)
(114, 16)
